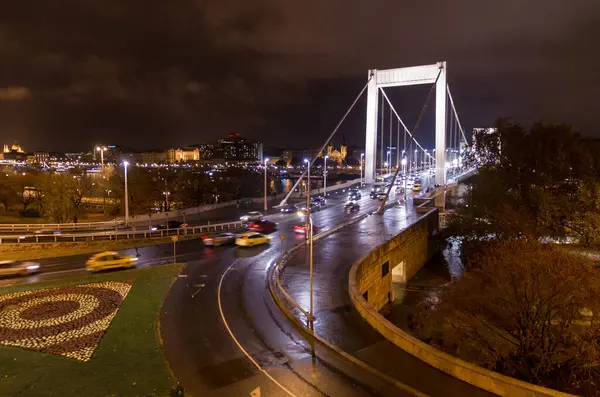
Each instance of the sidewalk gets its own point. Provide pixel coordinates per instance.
(336, 319)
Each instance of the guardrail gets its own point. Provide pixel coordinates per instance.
(20, 227)
(116, 235)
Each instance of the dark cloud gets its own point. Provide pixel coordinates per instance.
(154, 73)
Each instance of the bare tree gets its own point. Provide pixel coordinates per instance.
(527, 310)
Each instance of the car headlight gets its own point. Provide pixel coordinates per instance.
(33, 267)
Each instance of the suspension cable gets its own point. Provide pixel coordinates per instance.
(337, 127)
(456, 114)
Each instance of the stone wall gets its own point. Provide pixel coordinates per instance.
(397, 260)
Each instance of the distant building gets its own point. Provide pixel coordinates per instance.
(151, 157)
(183, 154)
(237, 148)
(13, 153)
(337, 155)
(41, 157)
(15, 147)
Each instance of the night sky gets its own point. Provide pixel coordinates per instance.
(156, 73)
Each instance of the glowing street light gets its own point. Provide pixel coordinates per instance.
(309, 234)
(362, 156)
(125, 164)
(325, 178)
(102, 149)
(266, 161)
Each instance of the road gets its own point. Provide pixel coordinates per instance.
(222, 333)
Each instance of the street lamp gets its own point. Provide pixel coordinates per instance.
(125, 164)
(325, 178)
(101, 149)
(309, 233)
(389, 161)
(416, 160)
(362, 156)
(425, 159)
(266, 161)
(404, 171)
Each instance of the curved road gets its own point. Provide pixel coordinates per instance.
(223, 334)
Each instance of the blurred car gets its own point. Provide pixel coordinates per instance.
(219, 239)
(417, 187)
(15, 268)
(381, 195)
(262, 226)
(288, 209)
(252, 216)
(48, 232)
(252, 238)
(110, 260)
(351, 207)
(321, 200)
(354, 195)
(376, 189)
(169, 225)
(301, 228)
(313, 207)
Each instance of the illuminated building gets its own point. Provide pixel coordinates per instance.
(236, 148)
(183, 154)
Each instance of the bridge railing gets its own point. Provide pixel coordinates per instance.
(20, 227)
(118, 235)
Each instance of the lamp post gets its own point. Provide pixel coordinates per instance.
(404, 172)
(389, 161)
(309, 233)
(362, 156)
(325, 178)
(101, 149)
(425, 159)
(125, 164)
(416, 159)
(266, 161)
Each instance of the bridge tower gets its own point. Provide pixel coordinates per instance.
(427, 74)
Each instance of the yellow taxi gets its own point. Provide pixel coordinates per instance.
(417, 187)
(252, 238)
(110, 260)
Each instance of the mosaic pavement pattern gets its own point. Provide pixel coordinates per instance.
(67, 321)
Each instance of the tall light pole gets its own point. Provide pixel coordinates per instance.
(325, 178)
(416, 159)
(389, 161)
(404, 171)
(308, 185)
(362, 156)
(425, 159)
(125, 163)
(309, 233)
(101, 149)
(266, 161)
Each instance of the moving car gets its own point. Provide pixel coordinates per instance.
(252, 216)
(301, 228)
(288, 209)
(252, 238)
(354, 195)
(219, 239)
(376, 189)
(110, 260)
(350, 207)
(170, 225)
(262, 226)
(381, 195)
(417, 187)
(313, 207)
(14, 268)
(321, 200)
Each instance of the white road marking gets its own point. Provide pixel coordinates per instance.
(238, 343)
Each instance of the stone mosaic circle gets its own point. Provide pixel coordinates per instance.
(67, 321)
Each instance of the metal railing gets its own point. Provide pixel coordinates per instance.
(117, 235)
(20, 227)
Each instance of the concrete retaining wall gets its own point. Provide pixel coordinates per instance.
(365, 275)
(396, 260)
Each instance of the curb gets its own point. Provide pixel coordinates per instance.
(336, 350)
